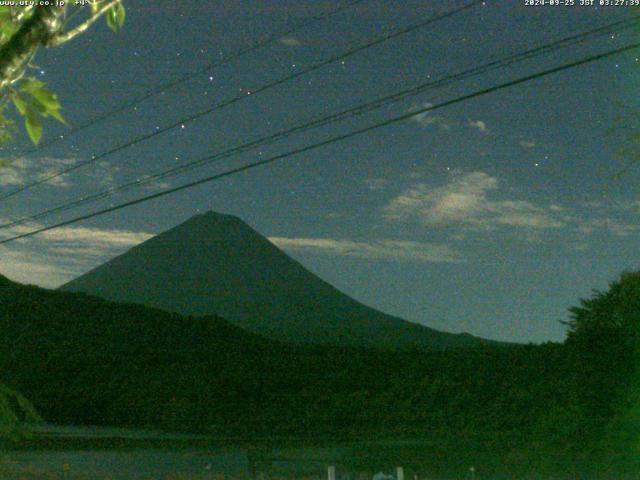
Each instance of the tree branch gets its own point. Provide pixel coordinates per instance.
(23, 13)
(45, 23)
(64, 37)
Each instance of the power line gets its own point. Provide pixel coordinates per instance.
(163, 87)
(329, 141)
(250, 93)
(348, 113)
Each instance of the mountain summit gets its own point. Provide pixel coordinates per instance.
(217, 264)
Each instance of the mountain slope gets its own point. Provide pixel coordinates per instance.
(85, 360)
(217, 264)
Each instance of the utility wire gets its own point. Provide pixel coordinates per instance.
(329, 141)
(163, 87)
(348, 113)
(250, 93)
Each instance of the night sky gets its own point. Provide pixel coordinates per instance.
(492, 216)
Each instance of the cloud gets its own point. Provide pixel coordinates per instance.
(102, 174)
(290, 42)
(374, 250)
(98, 238)
(56, 256)
(617, 227)
(479, 124)
(581, 247)
(427, 119)
(527, 144)
(23, 170)
(466, 200)
(632, 206)
(32, 267)
(376, 183)
(73, 235)
(473, 202)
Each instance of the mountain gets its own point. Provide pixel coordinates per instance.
(217, 264)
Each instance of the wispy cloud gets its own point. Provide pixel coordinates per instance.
(290, 41)
(32, 267)
(427, 119)
(615, 226)
(467, 200)
(475, 202)
(376, 183)
(479, 124)
(103, 174)
(54, 257)
(375, 250)
(23, 170)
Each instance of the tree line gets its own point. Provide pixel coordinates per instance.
(83, 360)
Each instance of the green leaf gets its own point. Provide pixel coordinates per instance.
(8, 26)
(20, 104)
(41, 109)
(44, 100)
(120, 14)
(30, 85)
(116, 16)
(112, 19)
(33, 125)
(5, 16)
(58, 116)
(47, 98)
